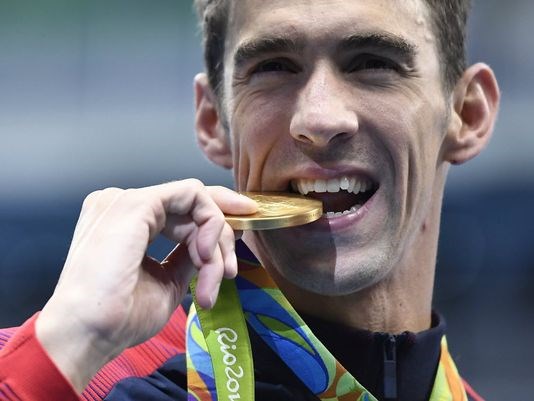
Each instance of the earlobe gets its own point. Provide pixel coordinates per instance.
(211, 135)
(474, 106)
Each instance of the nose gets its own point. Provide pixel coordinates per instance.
(323, 114)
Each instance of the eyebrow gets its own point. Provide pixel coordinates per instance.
(255, 48)
(383, 41)
(266, 45)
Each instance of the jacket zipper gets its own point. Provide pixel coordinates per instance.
(390, 368)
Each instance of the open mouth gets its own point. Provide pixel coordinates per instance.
(340, 196)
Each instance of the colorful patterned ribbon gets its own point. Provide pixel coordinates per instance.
(226, 340)
(269, 313)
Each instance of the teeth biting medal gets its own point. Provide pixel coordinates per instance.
(277, 210)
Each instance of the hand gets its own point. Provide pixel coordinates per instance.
(110, 295)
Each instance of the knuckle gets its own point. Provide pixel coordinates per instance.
(218, 219)
(110, 193)
(227, 235)
(227, 230)
(100, 198)
(129, 192)
(140, 204)
(143, 208)
(91, 199)
(194, 184)
(155, 208)
(122, 199)
(129, 196)
(143, 204)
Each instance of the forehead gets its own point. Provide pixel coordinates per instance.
(322, 20)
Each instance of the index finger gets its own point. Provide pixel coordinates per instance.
(205, 207)
(232, 202)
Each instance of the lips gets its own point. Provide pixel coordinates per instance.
(340, 195)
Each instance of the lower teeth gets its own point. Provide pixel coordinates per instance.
(338, 214)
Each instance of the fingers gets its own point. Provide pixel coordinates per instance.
(222, 264)
(227, 247)
(209, 275)
(184, 229)
(94, 205)
(179, 264)
(232, 202)
(209, 281)
(119, 294)
(179, 227)
(185, 211)
(205, 206)
(189, 198)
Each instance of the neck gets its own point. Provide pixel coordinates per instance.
(400, 302)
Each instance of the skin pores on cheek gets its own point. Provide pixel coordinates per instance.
(260, 140)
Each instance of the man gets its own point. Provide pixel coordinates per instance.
(361, 104)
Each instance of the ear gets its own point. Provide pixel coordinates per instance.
(211, 136)
(474, 106)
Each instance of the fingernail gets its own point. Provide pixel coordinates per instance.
(213, 295)
(249, 200)
(211, 303)
(231, 266)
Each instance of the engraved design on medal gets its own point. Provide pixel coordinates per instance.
(277, 210)
(271, 206)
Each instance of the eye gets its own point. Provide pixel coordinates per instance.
(275, 65)
(371, 62)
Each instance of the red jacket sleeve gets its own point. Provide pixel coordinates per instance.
(26, 371)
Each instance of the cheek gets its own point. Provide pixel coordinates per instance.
(412, 126)
(421, 158)
(258, 127)
(388, 120)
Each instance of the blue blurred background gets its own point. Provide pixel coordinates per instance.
(99, 93)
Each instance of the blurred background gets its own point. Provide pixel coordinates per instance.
(99, 93)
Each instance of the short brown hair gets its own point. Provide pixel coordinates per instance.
(448, 17)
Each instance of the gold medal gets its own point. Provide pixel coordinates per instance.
(277, 210)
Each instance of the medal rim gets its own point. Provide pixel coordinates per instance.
(311, 212)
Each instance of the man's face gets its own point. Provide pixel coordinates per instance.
(342, 96)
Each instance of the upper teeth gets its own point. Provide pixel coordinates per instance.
(349, 184)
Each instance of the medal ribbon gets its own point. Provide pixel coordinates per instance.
(227, 342)
(269, 313)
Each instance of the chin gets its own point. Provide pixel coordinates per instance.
(342, 275)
